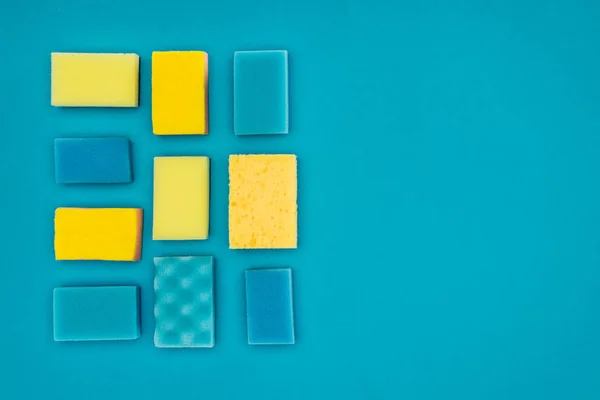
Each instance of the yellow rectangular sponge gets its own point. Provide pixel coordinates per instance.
(263, 201)
(179, 92)
(95, 79)
(111, 234)
(181, 198)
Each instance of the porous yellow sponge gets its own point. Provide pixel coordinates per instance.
(95, 80)
(112, 234)
(262, 201)
(181, 198)
(179, 87)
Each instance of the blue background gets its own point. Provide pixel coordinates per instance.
(449, 228)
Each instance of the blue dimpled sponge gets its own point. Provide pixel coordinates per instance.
(260, 85)
(269, 307)
(96, 313)
(92, 160)
(184, 302)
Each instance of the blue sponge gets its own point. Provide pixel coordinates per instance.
(260, 86)
(184, 302)
(96, 313)
(92, 160)
(269, 306)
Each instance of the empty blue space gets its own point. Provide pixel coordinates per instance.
(449, 200)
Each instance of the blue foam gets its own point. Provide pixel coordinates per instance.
(269, 307)
(184, 302)
(260, 85)
(92, 160)
(96, 313)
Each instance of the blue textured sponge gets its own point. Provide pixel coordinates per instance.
(92, 160)
(269, 306)
(96, 313)
(260, 86)
(184, 302)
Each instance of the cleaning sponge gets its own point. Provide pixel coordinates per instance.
(92, 160)
(179, 88)
(260, 84)
(96, 313)
(181, 198)
(262, 201)
(269, 306)
(95, 80)
(111, 234)
(184, 302)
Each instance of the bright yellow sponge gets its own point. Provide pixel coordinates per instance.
(262, 201)
(95, 80)
(181, 198)
(179, 87)
(112, 234)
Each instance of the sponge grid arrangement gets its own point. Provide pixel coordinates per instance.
(262, 199)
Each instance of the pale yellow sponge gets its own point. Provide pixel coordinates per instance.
(111, 234)
(95, 80)
(262, 201)
(181, 198)
(179, 90)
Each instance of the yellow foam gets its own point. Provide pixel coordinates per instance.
(112, 234)
(181, 198)
(262, 201)
(95, 80)
(179, 103)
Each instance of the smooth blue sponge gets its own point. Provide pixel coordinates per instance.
(269, 306)
(184, 302)
(260, 85)
(96, 313)
(93, 160)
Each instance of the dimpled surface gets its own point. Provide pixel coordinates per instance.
(184, 302)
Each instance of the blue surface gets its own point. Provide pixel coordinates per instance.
(96, 313)
(449, 200)
(260, 92)
(269, 306)
(184, 307)
(92, 160)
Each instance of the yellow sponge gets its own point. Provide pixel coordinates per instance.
(181, 196)
(95, 80)
(262, 201)
(179, 103)
(112, 234)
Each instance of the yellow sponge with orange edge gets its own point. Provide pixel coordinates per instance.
(179, 93)
(263, 201)
(111, 234)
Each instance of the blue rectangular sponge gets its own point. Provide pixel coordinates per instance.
(92, 160)
(184, 305)
(260, 92)
(269, 307)
(96, 313)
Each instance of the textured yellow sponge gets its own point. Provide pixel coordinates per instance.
(262, 201)
(179, 87)
(112, 234)
(95, 80)
(181, 198)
